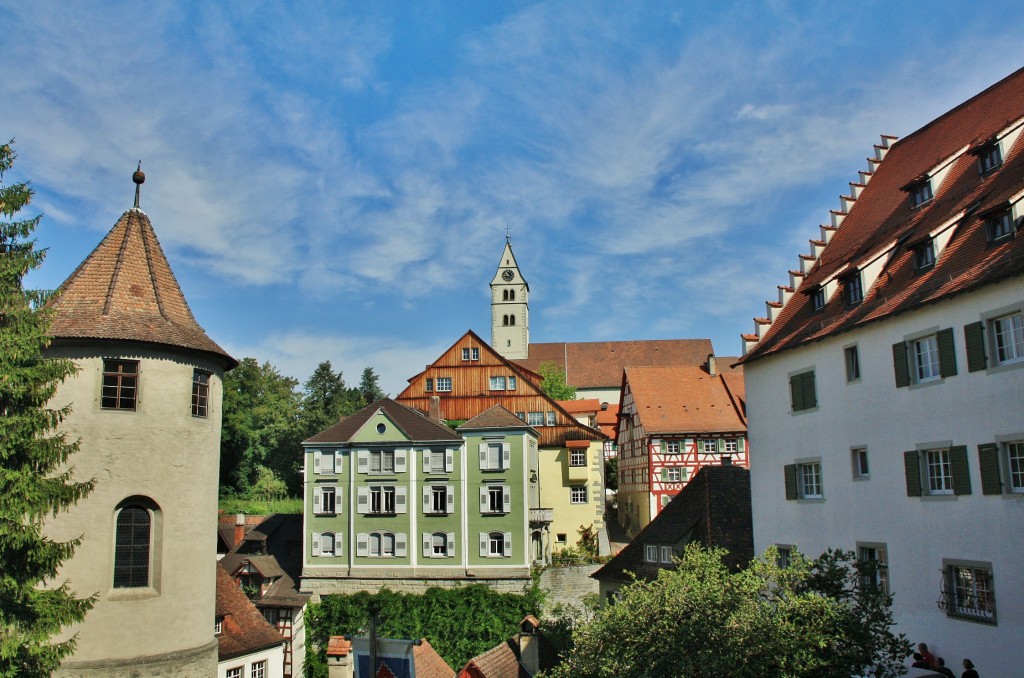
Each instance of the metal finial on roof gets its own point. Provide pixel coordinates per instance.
(139, 178)
(508, 238)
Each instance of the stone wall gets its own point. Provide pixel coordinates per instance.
(186, 664)
(326, 586)
(567, 585)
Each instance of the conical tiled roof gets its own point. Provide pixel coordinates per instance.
(125, 290)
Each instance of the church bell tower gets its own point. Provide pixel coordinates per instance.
(510, 311)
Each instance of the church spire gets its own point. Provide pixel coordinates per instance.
(510, 311)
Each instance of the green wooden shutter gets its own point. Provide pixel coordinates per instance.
(664, 447)
(741, 444)
(974, 339)
(912, 468)
(664, 475)
(796, 393)
(790, 472)
(947, 352)
(961, 471)
(807, 386)
(988, 462)
(900, 366)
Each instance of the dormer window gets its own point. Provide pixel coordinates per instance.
(921, 192)
(989, 158)
(218, 625)
(1000, 225)
(924, 256)
(818, 298)
(853, 288)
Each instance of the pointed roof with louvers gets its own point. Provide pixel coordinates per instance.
(125, 290)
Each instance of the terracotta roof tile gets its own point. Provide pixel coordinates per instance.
(429, 664)
(883, 221)
(581, 406)
(125, 290)
(244, 630)
(684, 400)
(495, 417)
(338, 646)
(414, 424)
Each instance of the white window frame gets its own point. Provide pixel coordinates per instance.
(709, 446)
(382, 497)
(498, 383)
(511, 383)
(651, 553)
(927, 364)
(535, 418)
(1013, 453)
(990, 157)
(672, 447)
(577, 494)
(673, 474)
(938, 471)
(234, 672)
(258, 669)
(320, 502)
(552, 419)
(969, 591)
(496, 544)
(495, 455)
(465, 354)
(878, 553)
(809, 479)
(379, 465)
(851, 359)
(1008, 338)
(443, 384)
(732, 446)
(666, 555)
(318, 543)
(577, 457)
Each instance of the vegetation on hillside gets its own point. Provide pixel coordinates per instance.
(34, 481)
(812, 619)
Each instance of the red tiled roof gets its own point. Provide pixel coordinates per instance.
(429, 664)
(683, 400)
(338, 646)
(600, 363)
(125, 290)
(883, 221)
(581, 406)
(244, 630)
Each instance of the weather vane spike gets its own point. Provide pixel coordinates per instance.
(138, 178)
(508, 238)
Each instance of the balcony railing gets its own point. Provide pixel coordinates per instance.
(541, 515)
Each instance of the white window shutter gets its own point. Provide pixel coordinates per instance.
(400, 545)
(449, 460)
(400, 499)
(315, 540)
(338, 461)
(427, 507)
(449, 492)
(506, 499)
(506, 455)
(508, 544)
(316, 461)
(483, 457)
(337, 544)
(426, 461)
(399, 461)
(483, 499)
(483, 545)
(426, 545)
(363, 499)
(720, 445)
(317, 499)
(363, 461)
(339, 501)
(362, 541)
(451, 544)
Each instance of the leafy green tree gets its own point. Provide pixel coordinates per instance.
(268, 486)
(810, 620)
(324, 399)
(261, 427)
(611, 473)
(34, 479)
(553, 382)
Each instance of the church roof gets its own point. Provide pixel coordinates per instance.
(125, 290)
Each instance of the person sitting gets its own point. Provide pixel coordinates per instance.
(969, 671)
(940, 668)
(923, 659)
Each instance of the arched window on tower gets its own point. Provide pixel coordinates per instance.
(511, 320)
(504, 295)
(504, 321)
(134, 543)
(511, 295)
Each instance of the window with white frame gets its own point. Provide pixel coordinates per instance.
(731, 446)
(436, 463)
(577, 457)
(1000, 225)
(535, 418)
(497, 383)
(672, 447)
(672, 474)
(859, 458)
(577, 494)
(921, 192)
(709, 446)
(234, 672)
(926, 358)
(495, 499)
(382, 499)
(382, 545)
(511, 383)
(324, 500)
(326, 464)
(924, 256)
(968, 591)
(382, 461)
(1015, 465)
(651, 553)
(666, 554)
(803, 480)
(218, 625)
(465, 354)
(989, 157)
(443, 384)
(438, 498)
(439, 545)
(851, 356)
(1008, 337)
(430, 385)
(495, 456)
(551, 419)
(938, 471)
(325, 544)
(258, 669)
(476, 354)
(876, 565)
(496, 544)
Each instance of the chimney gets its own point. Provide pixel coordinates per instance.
(711, 364)
(529, 645)
(339, 658)
(239, 528)
(435, 408)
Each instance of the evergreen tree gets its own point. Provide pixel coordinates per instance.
(369, 388)
(34, 479)
(324, 399)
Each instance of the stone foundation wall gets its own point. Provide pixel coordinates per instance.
(567, 585)
(323, 587)
(187, 664)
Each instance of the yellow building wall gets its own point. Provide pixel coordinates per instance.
(557, 478)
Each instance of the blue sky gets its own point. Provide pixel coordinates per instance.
(332, 181)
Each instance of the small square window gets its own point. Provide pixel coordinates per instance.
(497, 383)
(709, 446)
(430, 385)
(989, 158)
(1000, 225)
(924, 256)
(578, 494)
(859, 457)
(852, 358)
(560, 538)
(577, 458)
(672, 447)
(672, 474)
(731, 446)
(921, 193)
(651, 553)
(535, 418)
(968, 592)
(444, 384)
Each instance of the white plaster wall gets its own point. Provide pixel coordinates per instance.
(967, 409)
(159, 451)
(273, 656)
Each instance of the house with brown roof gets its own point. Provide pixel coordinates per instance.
(468, 379)
(146, 410)
(351, 657)
(672, 422)
(521, 656)
(885, 383)
(712, 510)
(248, 645)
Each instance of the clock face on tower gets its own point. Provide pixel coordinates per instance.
(507, 275)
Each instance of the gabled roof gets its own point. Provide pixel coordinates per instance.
(684, 400)
(879, 226)
(414, 424)
(713, 509)
(275, 543)
(598, 364)
(244, 630)
(502, 661)
(125, 290)
(497, 417)
(581, 406)
(266, 566)
(429, 664)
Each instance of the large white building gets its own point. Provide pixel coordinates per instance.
(885, 387)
